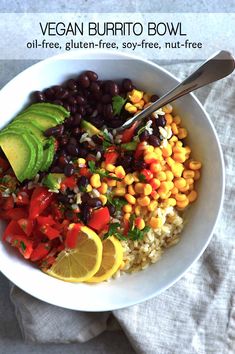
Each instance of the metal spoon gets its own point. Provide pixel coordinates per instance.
(215, 68)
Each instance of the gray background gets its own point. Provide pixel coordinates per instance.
(110, 342)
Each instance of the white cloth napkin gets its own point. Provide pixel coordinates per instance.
(196, 315)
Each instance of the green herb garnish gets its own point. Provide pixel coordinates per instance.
(142, 177)
(134, 233)
(114, 230)
(118, 203)
(117, 103)
(23, 246)
(93, 169)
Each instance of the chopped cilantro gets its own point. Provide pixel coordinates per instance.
(117, 103)
(114, 230)
(134, 233)
(23, 246)
(142, 177)
(118, 203)
(93, 169)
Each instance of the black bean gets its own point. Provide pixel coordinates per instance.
(39, 96)
(92, 76)
(62, 198)
(96, 97)
(85, 213)
(115, 122)
(72, 149)
(111, 208)
(139, 165)
(81, 110)
(69, 122)
(67, 107)
(98, 122)
(82, 152)
(85, 197)
(76, 132)
(111, 87)
(49, 93)
(69, 170)
(127, 85)
(83, 181)
(71, 84)
(76, 120)
(56, 169)
(55, 131)
(80, 100)
(97, 140)
(154, 98)
(71, 100)
(106, 99)
(100, 108)
(160, 121)
(62, 94)
(88, 110)
(73, 141)
(94, 87)
(63, 161)
(84, 80)
(94, 203)
(108, 111)
(154, 140)
(59, 102)
(64, 140)
(144, 136)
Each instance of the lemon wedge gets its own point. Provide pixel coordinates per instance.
(111, 260)
(80, 263)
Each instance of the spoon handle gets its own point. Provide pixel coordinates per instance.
(215, 68)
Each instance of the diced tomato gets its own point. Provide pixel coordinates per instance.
(8, 203)
(57, 211)
(72, 236)
(139, 151)
(84, 171)
(40, 251)
(111, 157)
(4, 165)
(24, 245)
(41, 199)
(147, 174)
(45, 220)
(126, 227)
(26, 225)
(129, 133)
(22, 198)
(69, 182)
(50, 232)
(12, 229)
(16, 214)
(99, 219)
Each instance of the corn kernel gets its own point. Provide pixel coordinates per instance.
(111, 182)
(103, 188)
(155, 183)
(103, 199)
(143, 201)
(119, 172)
(147, 189)
(158, 151)
(197, 175)
(182, 133)
(170, 161)
(161, 176)
(153, 205)
(167, 108)
(180, 197)
(135, 176)
(187, 150)
(179, 143)
(188, 174)
(177, 119)
(167, 151)
(81, 162)
(191, 187)
(88, 188)
(151, 158)
(131, 190)
(177, 169)
(180, 182)
(171, 202)
(139, 104)
(195, 165)
(139, 223)
(155, 223)
(110, 167)
(119, 191)
(173, 139)
(155, 195)
(139, 187)
(174, 190)
(168, 118)
(184, 189)
(189, 181)
(179, 157)
(192, 196)
(174, 128)
(130, 108)
(129, 179)
(95, 180)
(130, 199)
(147, 97)
(127, 208)
(169, 175)
(137, 210)
(148, 148)
(155, 167)
(127, 216)
(182, 204)
(135, 96)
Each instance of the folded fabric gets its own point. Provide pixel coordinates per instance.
(196, 315)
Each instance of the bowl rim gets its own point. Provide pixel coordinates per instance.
(103, 55)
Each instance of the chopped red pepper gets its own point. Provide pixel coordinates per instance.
(12, 229)
(129, 133)
(50, 232)
(147, 174)
(22, 198)
(8, 203)
(111, 156)
(40, 251)
(26, 225)
(41, 199)
(15, 214)
(24, 245)
(84, 171)
(45, 220)
(99, 219)
(69, 182)
(72, 236)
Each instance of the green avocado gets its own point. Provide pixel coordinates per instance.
(48, 154)
(43, 120)
(20, 153)
(53, 180)
(53, 110)
(90, 128)
(17, 124)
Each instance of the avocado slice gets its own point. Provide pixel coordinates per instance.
(19, 152)
(90, 128)
(17, 124)
(53, 180)
(48, 154)
(54, 110)
(43, 121)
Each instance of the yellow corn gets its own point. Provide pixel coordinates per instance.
(158, 151)
(177, 120)
(130, 199)
(173, 139)
(103, 188)
(169, 175)
(177, 169)
(168, 118)
(180, 182)
(189, 181)
(174, 128)
(197, 175)
(103, 199)
(129, 179)
(170, 161)
(110, 167)
(119, 172)
(127, 216)
(184, 189)
(188, 174)
(147, 189)
(127, 208)
(88, 188)
(167, 151)
(161, 176)
(131, 190)
(187, 150)
(135, 96)
(151, 157)
(155, 195)
(195, 165)
(112, 182)
(174, 190)
(139, 223)
(148, 149)
(130, 108)
(179, 143)
(119, 191)
(135, 176)
(192, 196)
(179, 157)
(95, 180)
(143, 201)
(182, 133)
(81, 162)
(180, 197)
(167, 108)
(171, 202)
(155, 167)
(139, 188)
(153, 205)
(139, 104)
(137, 210)
(182, 204)
(155, 223)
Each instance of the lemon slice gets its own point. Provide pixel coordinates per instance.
(80, 263)
(111, 260)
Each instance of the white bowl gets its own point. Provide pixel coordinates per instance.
(201, 216)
